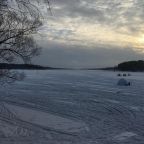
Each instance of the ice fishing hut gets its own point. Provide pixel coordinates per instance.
(123, 82)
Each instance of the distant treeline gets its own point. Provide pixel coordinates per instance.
(131, 66)
(23, 66)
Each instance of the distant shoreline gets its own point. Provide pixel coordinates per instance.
(39, 67)
(131, 66)
(25, 67)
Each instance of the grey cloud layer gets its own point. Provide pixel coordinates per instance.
(61, 55)
(117, 13)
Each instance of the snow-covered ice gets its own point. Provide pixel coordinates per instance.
(123, 136)
(72, 107)
(47, 120)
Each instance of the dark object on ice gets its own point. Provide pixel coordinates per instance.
(124, 75)
(123, 82)
(119, 74)
(129, 74)
(128, 84)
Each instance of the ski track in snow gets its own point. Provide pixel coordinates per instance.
(72, 107)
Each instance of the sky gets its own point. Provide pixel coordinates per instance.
(92, 33)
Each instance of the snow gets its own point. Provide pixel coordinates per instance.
(46, 119)
(125, 135)
(72, 107)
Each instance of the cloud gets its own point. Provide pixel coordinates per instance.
(124, 18)
(93, 32)
(62, 55)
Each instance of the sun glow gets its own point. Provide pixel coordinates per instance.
(141, 39)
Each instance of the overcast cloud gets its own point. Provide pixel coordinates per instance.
(92, 33)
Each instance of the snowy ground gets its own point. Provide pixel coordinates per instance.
(72, 107)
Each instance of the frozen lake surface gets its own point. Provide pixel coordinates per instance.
(72, 107)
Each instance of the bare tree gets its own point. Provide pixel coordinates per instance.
(19, 21)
